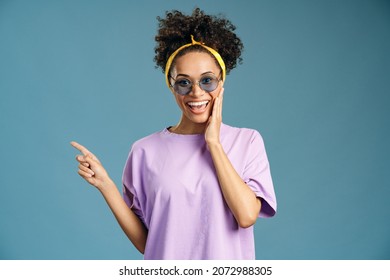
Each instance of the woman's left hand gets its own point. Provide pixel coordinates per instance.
(214, 123)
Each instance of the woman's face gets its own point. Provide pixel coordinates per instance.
(196, 106)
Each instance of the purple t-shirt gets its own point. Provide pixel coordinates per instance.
(171, 184)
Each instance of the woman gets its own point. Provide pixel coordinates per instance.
(193, 190)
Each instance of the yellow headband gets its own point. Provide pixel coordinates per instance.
(193, 42)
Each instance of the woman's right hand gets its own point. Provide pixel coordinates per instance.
(91, 169)
(94, 173)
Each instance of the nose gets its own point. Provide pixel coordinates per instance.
(196, 90)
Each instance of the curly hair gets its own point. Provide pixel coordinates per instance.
(176, 29)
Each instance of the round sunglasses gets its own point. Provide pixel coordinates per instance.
(183, 85)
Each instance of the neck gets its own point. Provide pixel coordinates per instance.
(188, 127)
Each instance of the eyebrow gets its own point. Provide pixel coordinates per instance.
(185, 75)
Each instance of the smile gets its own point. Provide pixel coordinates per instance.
(198, 104)
(198, 107)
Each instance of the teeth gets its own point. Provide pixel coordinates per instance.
(197, 103)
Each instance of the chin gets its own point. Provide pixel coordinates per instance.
(200, 119)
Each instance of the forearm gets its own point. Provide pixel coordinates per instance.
(241, 200)
(129, 222)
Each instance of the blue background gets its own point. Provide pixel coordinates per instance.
(314, 82)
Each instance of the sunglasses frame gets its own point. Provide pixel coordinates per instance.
(190, 87)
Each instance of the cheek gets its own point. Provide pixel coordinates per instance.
(216, 92)
(179, 100)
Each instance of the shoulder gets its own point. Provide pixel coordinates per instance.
(143, 147)
(240, 133)
(147, 143)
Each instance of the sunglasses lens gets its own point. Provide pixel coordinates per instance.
(208, 83)
(182, 86)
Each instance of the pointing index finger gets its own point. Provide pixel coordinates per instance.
(84, 150)
(81, 148)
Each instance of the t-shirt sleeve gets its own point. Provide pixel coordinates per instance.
(257, 175)
(131, 179)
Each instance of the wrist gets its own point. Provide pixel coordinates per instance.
(107, 186)
(212, 145)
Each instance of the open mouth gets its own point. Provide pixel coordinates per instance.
(198, 106)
